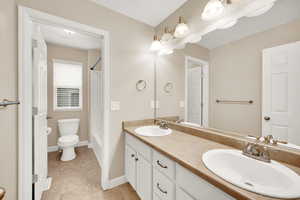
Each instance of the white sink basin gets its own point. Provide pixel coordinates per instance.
(269, 179)
(152, 131)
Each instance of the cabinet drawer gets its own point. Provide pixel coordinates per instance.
(198, 187)
(164, 164)
(138, 146)
(181, 195)
(162, 186)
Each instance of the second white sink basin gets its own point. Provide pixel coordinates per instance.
(152, 131)
(270, 179)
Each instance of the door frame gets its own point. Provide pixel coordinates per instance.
(206, 87)
(25, 167)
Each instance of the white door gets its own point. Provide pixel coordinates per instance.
(281, 92)
(144, 178)
(194, 94)
(40, 113)
(130, 166)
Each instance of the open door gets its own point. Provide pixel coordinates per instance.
(40, 154)
(281, 97)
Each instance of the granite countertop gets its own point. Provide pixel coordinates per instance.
(187, 150)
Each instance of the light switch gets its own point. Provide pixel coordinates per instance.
(181, 104)
(115, 105)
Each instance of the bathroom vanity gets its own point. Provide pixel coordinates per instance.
(171, 168)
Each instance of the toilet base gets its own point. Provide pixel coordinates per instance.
(68, 153)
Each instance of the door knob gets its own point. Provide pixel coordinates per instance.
(267, 118)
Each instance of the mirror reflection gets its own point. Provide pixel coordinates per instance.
(243, 79)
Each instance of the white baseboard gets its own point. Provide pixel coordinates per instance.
(80, 144)
(96, 145)
(48, 183)
(117, 181)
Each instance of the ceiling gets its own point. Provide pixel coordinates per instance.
(60, 36)
(151, 12)
(284, 11)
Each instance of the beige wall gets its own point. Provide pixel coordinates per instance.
(130, 61)
(75, 55)
(236, 73)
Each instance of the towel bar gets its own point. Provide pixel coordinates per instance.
(6, 102)
(234, 102)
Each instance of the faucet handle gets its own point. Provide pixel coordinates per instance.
(163, 124)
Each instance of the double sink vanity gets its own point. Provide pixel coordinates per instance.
(175, 162)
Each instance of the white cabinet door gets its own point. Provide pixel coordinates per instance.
(130, 166)
(144, 178)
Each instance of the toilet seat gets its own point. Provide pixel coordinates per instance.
(68, 140)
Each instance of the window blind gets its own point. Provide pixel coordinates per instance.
(67, 84)
(68, 97)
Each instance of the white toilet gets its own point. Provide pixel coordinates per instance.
(68, 139)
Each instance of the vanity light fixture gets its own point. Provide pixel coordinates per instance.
(167, 36)
(182, 29)
(156, 44)
(214, 9)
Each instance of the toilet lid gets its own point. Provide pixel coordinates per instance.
(68, 140)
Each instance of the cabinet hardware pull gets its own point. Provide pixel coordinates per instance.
(136, 159)
(132, 155)
(158, 186)
(162, 166)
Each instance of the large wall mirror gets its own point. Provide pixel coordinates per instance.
(244, 79)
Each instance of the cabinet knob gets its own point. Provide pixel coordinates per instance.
(136, 159)
(132, 155)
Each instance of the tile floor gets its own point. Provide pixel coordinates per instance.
(79, 179)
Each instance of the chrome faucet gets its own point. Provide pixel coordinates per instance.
(163, 124)
(269, 139)
(257, 152)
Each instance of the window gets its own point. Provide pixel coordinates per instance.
(67, 82)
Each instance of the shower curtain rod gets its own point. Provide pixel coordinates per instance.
(97, 62)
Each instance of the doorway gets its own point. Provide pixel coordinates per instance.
(33, 102)
(196, 91)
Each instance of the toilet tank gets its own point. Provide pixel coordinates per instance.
(68, 126)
